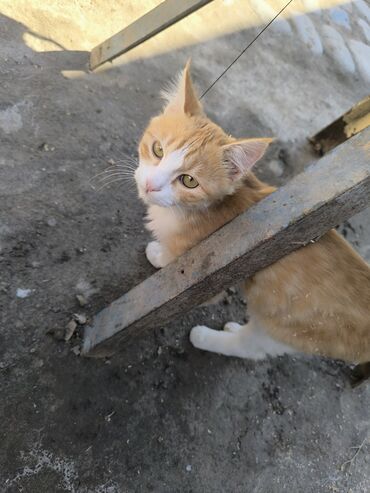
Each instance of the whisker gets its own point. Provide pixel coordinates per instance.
(111, 179)
(124, 166)
(103, 179)
(126, 158)
(122, 156)
(108, 170)
(132, 166)
(121, 165)
(108, 183)
(127, 165)
(119, 151)
(111, 170)
(118, 170)
(121, 169)
(117, 165)
(133, 163)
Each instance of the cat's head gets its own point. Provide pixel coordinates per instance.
(185, 159)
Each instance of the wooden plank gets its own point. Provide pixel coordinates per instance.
(328, 192)
(164, 15)
(349, 124)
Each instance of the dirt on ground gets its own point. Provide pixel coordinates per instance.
(160, 416)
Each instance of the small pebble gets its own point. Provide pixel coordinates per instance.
(76, 350)
(23, 293)
(276, 167)
(38, 363)
(51, 222)
(70, 330)
(81, 299)
(80, 318)
(188, 468)
(108, 418)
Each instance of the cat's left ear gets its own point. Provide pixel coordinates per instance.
(182, 97)
(242, 155)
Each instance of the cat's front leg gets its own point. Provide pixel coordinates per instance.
(158, 255)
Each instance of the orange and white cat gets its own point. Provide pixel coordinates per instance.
(195, 178)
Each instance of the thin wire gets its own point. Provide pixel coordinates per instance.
(245, 49)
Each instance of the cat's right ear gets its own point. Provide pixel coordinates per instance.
(181, 96)
(240, 156)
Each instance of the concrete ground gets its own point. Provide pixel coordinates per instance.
(160, 416)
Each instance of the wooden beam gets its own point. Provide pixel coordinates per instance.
(349, 124)
(327, 193)
(164, 15)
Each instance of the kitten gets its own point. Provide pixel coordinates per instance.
(195, 178)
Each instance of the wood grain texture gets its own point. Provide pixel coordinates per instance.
(327, 193)
(156, 20)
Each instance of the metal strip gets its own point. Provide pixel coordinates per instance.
(164, 15)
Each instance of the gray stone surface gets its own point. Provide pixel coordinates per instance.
(161, 416)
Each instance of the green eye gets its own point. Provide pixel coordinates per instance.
(157, 149)
(188, 181)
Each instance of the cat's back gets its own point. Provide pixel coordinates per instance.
(329, 265)
(317, 299)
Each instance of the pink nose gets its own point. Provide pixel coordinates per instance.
(151, 188)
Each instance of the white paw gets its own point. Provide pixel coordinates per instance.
(232, 327)
(199, 335)
(153, 253)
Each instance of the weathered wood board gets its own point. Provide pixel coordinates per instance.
(164, 15)
(328, 192)
(349, 124)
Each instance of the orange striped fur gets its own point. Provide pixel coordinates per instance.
(315, 300)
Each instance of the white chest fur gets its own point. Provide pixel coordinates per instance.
(163, 221)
